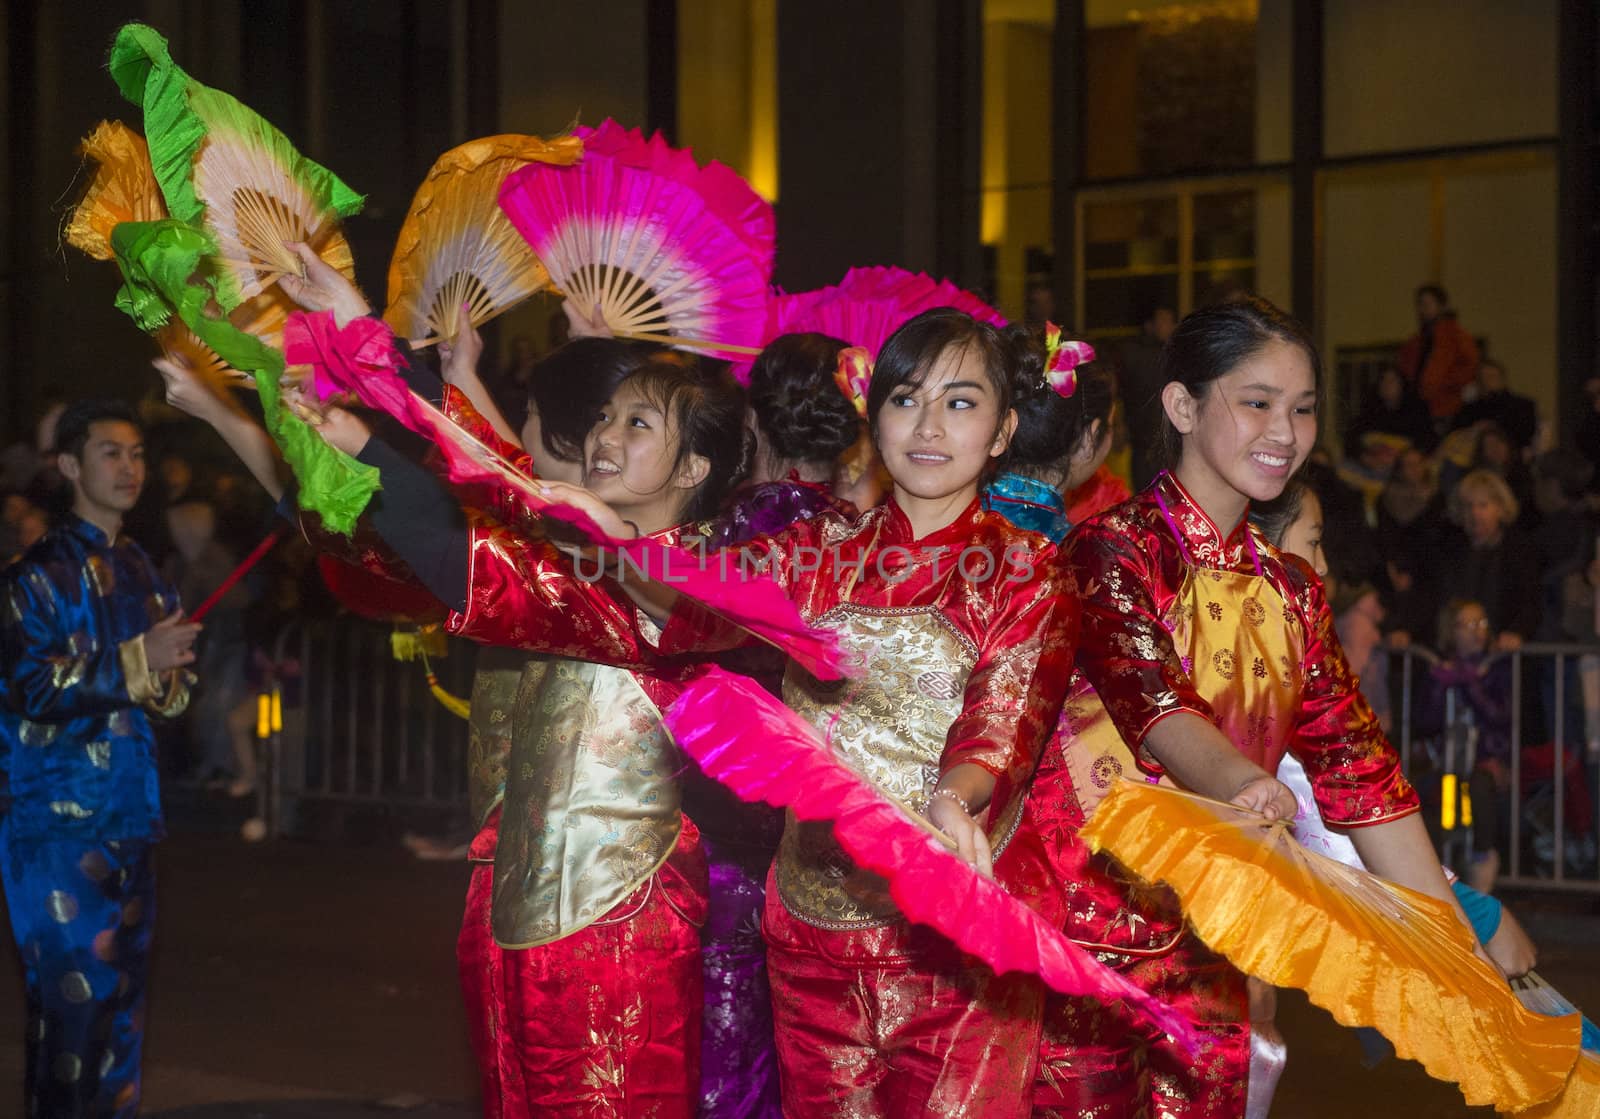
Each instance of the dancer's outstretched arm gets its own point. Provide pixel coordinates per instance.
(188, 392)
(458, 362)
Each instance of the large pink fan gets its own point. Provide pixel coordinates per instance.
(749, 741)
(870, 304)
(644, 243)
(361, 358)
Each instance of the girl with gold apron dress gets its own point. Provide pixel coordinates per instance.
(1204, 656)
(963, 628)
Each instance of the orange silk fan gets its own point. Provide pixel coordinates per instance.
(1369, 952)
(458, 248)
(122, 188)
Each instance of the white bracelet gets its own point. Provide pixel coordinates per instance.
(953, 795)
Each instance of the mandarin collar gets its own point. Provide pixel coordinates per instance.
(1020, 487)
(1200, 533)
(90, 534)
(896, 527)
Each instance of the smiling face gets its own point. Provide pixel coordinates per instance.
(1249, 430)
(631, 461)
(937, 438)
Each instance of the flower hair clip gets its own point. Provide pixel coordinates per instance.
(1061, 360)
(853, 374)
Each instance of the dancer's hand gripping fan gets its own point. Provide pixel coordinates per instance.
(361, 358)
(744, 737)
(457, 247)
(228, 169)
(237, 193)
(1369, 952)
(645, 244)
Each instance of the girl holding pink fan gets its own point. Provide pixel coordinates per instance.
(964, 626)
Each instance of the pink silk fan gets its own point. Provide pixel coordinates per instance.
(645, 243)
(743, 737)
(870, 304)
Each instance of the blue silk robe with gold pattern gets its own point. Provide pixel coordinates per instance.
(79, 808)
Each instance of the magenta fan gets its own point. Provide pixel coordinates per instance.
(870, 304)
(645, 243)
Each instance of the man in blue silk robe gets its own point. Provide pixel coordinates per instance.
(91, 643)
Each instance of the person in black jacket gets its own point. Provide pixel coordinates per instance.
(1495, 403)
(1490, 560)
(1394, 409)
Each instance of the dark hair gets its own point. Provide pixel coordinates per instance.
(1434, 290)
(568, 388)
(1210, 343)
(1275, 517)
(1051, 427)
(72, 429)
(909, 353)
(706, 409)
(802, 413)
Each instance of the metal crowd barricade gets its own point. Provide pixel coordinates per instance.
(1564, 745)
(366, 728)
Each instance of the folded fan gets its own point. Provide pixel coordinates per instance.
(646, 244)
(1370, 952)
(458, 247)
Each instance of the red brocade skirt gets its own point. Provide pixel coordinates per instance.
(605, 1021)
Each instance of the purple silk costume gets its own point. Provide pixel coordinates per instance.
(738, 1061)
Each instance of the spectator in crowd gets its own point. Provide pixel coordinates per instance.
(1566, 535)
(1481, 713)
(1589, 425)
(1041, 307)
(1358, 620)
(1141, 381)
(1497, 404)
(1580, 621)
(1441, 358)
(1411, 521)
(197, 566)
(1495, 452)
(1490, 560)
(1348, 538)
(1394, 408)
(22, 524)
(1368, 472)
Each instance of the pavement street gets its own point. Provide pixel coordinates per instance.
(307, 981)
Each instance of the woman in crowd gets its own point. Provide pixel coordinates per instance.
(1489, 560)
